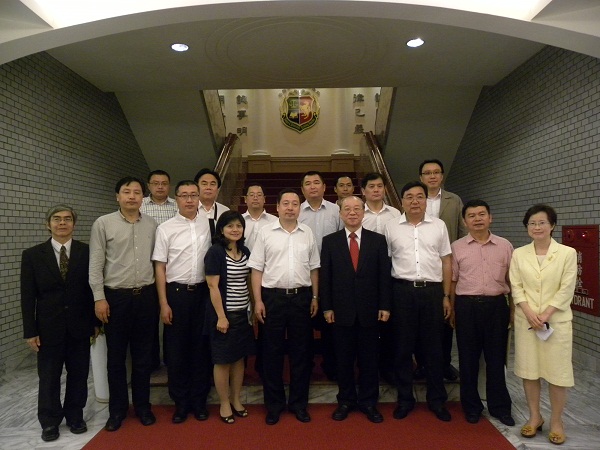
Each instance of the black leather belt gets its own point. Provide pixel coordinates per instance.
(417, 284)
(187, 287)
(481, 298)
(131, 291)
(291, 291)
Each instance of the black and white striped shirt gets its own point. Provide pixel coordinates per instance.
(238, 297)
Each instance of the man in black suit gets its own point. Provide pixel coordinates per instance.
(355, 289)
(58, 320)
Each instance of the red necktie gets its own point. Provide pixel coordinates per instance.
(354, 250)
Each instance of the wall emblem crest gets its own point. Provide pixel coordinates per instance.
(299, 108)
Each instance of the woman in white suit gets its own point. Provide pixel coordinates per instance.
(542, 276)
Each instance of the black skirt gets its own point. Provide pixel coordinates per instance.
(234, 345)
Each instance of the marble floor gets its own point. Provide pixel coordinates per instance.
(19, 428)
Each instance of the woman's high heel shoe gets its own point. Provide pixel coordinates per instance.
(228, 419)
(556, 438)
(242, 413)
(528, 431)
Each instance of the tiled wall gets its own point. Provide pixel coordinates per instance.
(534, 137)
(61, 141)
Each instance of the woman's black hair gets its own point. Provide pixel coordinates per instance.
(224, 219)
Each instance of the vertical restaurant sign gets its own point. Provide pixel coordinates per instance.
(299, 110)
(584, 239)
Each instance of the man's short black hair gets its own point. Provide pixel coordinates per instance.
(370, 177)
(431, 161)
(185, 183)
(126, 181)
(411, 184)
(205, 171)
(474, 204)
(158, 172)
(286, 191)
(311, 173)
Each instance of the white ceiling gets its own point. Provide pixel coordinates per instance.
(278, 44)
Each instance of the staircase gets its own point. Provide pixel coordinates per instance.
(273, 183)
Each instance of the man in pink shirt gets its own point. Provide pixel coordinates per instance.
(480, 296)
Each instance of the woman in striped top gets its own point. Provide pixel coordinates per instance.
(230, 328)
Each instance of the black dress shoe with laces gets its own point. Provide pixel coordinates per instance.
(402, 411)
(372, 414)
(77, 426)
(442, 413)
(341, 412)
(113, 423)
(50, 433)
(302, 415)
(272, 418)
(146, 417)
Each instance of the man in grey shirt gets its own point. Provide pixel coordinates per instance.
(122, 281)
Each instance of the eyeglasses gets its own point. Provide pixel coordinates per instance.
(541, 223)
(432, 172)
(159, 183)
(188, 196)
(410, 198)
(56, 219)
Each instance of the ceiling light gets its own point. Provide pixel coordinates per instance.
(417, 42)
(180, 47)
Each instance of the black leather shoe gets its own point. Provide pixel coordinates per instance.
(506, 419)
(146, 417)
(372, 414)
(180, 415)
(472, 417)
(450, 373)
(402, 411)
(77, 426)
(50, 433)
(113, 423)
(272, 418)
(302, 415)
(201, 414)
(341, 412)
(442, 413)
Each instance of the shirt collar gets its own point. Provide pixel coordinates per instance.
(185, 219)
(384, 207)
(57, 245)
(306, 205)
(248, 215)
(427, 218)
(357, 232)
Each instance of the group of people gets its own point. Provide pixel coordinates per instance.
(386, 289)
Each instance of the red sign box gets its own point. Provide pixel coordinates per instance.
(584, 239)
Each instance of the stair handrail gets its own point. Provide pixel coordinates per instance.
(229, 167)
(378, 164)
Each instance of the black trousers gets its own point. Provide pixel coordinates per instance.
(418, 316)
(357, 344)
(189, 366)
(482, 325)
(131, 323)
(286, 314)
(74, 354)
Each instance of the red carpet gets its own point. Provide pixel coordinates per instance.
(420, 430)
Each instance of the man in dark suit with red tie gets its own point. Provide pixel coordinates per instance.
(58, 320)
(355, 290)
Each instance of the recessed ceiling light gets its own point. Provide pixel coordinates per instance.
(417, 42)
(180, 47)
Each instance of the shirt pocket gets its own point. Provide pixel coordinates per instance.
(301, 253)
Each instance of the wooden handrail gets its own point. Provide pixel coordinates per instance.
(377, 162)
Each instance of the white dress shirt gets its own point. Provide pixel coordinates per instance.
(285, 258)
(375, 221)
(182, 244)
(253, 226)
(434, 204)
(416, 251)
(57, 245)
(322, 221)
